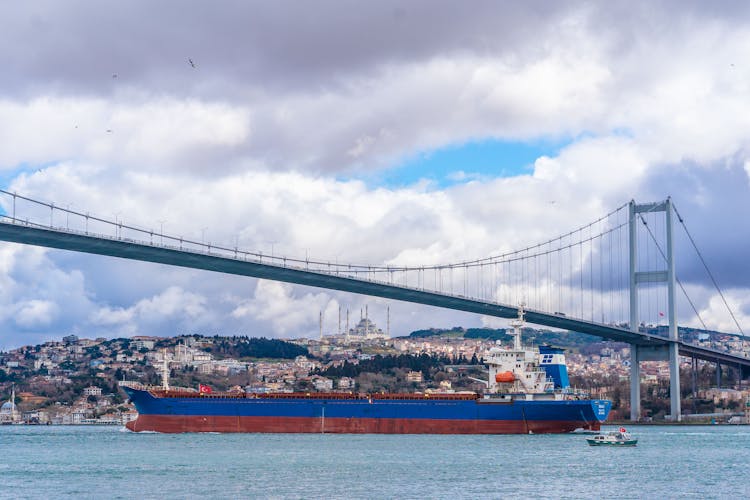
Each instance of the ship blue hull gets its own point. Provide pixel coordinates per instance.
(431, 414)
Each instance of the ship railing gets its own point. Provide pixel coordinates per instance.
(151, 388)
(373, 396)
(133, 385)
(426, 395)
(192, 393)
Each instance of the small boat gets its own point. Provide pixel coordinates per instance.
(620, 437)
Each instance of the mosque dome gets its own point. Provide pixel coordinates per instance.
(7, 407)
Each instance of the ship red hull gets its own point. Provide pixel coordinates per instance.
(182, 423)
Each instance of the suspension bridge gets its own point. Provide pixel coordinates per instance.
(613, 278)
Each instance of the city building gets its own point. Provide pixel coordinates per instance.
(92, 391)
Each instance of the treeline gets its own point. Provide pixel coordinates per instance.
(245, 347)
(565, 339)
(424, 363)
(8, 377)
(456, 331)
(487, 333)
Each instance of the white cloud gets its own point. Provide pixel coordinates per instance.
(239, 150)
(286, 311)
(717, 317)
(108, 316)
(36, 313)
(172, 302)
(340, 221)
(141, 131)
(605, 166)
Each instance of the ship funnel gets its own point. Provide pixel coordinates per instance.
(552, 360)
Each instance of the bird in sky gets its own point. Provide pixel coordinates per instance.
(191, 62)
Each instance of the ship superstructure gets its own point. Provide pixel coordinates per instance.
(517, 370)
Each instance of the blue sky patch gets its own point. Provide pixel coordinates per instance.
(9, 175)
(468, 161)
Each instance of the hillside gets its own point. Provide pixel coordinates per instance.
(564, 339)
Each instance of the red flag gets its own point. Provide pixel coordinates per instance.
(622, 429)
(661, 314)
(204, 389)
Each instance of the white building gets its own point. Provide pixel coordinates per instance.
(92, 391)
(303, 363)
(139, 344)
(346, 383)
(323, 384)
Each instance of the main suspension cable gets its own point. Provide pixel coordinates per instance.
(695, 310)
(705, 265)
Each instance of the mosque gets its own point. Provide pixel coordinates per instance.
(8, 411)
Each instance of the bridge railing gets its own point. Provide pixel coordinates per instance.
(20, 210)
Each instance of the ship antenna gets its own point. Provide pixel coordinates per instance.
(165, 371)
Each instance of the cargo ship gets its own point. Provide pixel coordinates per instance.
(527, 392)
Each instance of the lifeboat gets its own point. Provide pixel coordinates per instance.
(505, 378)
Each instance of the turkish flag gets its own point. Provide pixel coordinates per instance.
(204, 389)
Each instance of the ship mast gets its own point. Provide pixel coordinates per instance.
(517, 324)
(165, 371)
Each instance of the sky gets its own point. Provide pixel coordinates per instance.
(375, 132)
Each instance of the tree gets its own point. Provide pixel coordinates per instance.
(68, 365)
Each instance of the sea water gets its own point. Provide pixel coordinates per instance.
(109, 462)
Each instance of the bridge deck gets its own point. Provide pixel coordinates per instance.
(143, 251)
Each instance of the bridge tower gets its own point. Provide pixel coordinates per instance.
(644, 353)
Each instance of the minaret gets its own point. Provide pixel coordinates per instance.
(320, 323)
(13, 410)
(347, 325)
(367, 322)
(339, 332)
